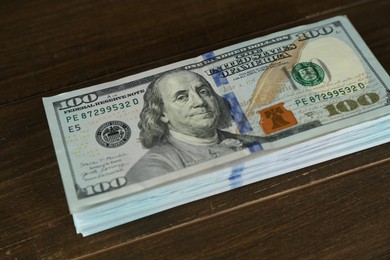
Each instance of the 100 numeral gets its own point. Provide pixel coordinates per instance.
(350, 105)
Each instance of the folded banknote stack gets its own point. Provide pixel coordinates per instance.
(142, 144)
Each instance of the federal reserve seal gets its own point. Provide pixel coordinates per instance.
(308, 73)
(113, 134)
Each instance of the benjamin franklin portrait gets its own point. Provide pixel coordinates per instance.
(181, 124)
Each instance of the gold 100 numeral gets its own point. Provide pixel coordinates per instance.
(350, 105)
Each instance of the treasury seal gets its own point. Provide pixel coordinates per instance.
(308, 73)
(113, 134)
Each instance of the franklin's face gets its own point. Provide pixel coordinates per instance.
(189, 105)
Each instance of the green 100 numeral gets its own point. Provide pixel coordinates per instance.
(350, 105)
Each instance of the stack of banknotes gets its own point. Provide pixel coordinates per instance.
(145, 143)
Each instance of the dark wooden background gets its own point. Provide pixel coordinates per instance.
(338, 209)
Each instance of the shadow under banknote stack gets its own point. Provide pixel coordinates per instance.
(142, 144)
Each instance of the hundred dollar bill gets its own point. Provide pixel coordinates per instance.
(143, 131)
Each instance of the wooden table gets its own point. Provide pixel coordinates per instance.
(337, 209)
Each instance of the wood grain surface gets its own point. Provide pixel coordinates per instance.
(335, 210)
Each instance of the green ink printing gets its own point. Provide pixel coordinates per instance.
(308, 74)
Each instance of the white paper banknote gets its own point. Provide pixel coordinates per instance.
(130, 135)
